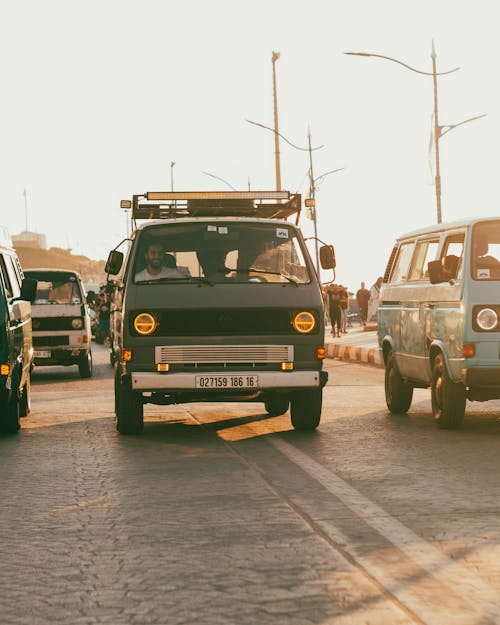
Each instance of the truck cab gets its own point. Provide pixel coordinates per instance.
(216, 299)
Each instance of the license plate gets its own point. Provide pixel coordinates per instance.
(42, 353)
(227, 381)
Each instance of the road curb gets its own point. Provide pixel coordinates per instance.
(353, 353)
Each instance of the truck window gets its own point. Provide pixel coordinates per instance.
(56, 288)
(402, 264)
(424, 252)
(220, 252)
(5, 277)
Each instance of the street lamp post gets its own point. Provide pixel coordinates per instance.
(172, 163)
(439, 130)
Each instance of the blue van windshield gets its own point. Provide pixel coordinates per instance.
(485, 255)
(220, 252)
(55, 287)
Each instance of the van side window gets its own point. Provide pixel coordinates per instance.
(5, 278)
(424, 252)
(402, 264)
(14, 278)
(452, 253)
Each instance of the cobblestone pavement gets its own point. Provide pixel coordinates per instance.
(215, 515)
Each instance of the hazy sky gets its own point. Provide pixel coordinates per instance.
(100, 96)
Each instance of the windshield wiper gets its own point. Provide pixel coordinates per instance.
(272, 273)
(199, 280)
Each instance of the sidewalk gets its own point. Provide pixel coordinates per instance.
(357, 345)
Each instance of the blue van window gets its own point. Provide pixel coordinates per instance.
(485, 256)
(424, 252)
(402, 265)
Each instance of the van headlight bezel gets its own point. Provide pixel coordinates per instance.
(486, 318)
(77, 323)
(145, 323)
(304, 322)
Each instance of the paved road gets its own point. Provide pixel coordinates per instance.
(219, 515)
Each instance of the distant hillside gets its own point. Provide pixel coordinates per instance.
(92, 271)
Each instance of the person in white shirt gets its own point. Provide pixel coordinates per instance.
(159, 265)
(374, 299)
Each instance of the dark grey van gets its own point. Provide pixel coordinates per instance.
(16, 351)
(217, 300)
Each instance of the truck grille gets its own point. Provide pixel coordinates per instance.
(52, 323)
(223, 354)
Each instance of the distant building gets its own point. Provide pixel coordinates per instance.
(30, 239)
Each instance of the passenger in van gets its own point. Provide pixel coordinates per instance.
(483, 260)
(450, 266)
(159, 265)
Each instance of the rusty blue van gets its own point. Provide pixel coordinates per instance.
(439, 317)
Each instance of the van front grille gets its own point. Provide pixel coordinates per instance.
(223, 354)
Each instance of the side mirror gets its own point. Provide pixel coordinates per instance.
(436, 273)
(327, 257)
(28, 289)
(114, 262)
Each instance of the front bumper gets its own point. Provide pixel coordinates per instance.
(482, 383)
(267, 380)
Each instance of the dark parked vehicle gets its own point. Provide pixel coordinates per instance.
(16, 351)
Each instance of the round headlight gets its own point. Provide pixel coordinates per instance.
(487, 319)
(76, 324)
(145, 323)
(304, 322)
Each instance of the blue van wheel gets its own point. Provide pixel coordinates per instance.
(306, 409)
(398, 393)
(448, 397)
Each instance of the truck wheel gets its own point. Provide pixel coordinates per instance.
(25, 400)
(448, 397)
(85, 366)
(306, 409)
(9, 422)
(398, 393)
(277, 405)
(129, 408)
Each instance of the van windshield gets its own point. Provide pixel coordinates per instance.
(220, 252)
(56, 288)
(485, 260)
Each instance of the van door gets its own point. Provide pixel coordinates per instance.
(413, 343)
(441, 315)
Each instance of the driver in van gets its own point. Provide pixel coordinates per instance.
(159, 265)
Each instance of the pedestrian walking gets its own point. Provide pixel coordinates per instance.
(333, 293)
(363, 297)
(374, 299)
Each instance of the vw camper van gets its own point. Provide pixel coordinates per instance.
(16, 351)
(217, 300)
(61, 322)
(439, 317)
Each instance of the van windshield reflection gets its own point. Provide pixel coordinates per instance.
(220, 253)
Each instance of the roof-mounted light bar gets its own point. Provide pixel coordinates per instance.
(217, 195)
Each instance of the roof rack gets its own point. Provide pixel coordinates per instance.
(176, 204)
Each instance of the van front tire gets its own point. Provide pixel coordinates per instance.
(85, 366)
(276, 405)
(448, 398)
(129, 408)
(398, 393)
(305, 409)
(9, 423)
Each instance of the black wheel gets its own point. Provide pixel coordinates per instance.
(276, 405)
(398, 393)
(9, 411)
(85, 366)
(306, 409)
(129, 409)
(25, 400)
(448, 397)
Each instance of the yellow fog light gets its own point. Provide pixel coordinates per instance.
(320, 353)
(162, 367)
(304, 322)
(4, 369)
(287, 366)
(145, 323)
(127, 355)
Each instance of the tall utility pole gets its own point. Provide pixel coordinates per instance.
(25, 209)
(312, 194)
(275, 57)
(172, 163)
(437, 134)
